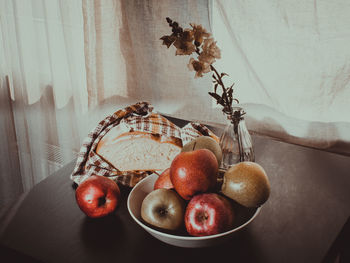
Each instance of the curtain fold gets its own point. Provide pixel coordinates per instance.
(10, 177)
(105, 63)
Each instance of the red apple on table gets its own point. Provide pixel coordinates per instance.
(163, 181)
(194, 172)
(97, 196)
(208, 214)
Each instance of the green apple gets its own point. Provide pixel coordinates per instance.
(163, 208)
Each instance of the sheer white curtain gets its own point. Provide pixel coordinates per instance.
(43, 87)
(290, 61)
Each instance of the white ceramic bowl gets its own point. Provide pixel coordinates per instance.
(243, 217)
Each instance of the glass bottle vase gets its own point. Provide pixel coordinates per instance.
(235, 141)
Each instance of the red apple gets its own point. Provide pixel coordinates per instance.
(97, 196)
(163, 180)
(208, 214)
(194, 172)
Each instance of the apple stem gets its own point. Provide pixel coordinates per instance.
(101, 201)
(194, 145)
(203, 217)
(162, 211)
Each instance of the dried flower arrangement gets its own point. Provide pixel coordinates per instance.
(198, 41)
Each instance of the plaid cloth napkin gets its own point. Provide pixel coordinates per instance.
(137, 117)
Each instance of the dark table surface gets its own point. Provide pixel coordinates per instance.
(304, 219)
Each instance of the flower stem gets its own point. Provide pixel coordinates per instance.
(228, 106)
(227, 103)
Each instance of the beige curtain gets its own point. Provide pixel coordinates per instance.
(125, 59)
(67, 64)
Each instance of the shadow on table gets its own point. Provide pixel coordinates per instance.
(10, 255)
(102, 233)
(240, 248)
(339, 252)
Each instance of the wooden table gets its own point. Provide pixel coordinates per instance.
(303, 220)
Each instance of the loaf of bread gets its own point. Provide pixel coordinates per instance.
(130, 147)
(146, 143)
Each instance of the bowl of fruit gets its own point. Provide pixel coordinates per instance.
(193, 204)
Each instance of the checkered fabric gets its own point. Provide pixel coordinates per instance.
(138, 117)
